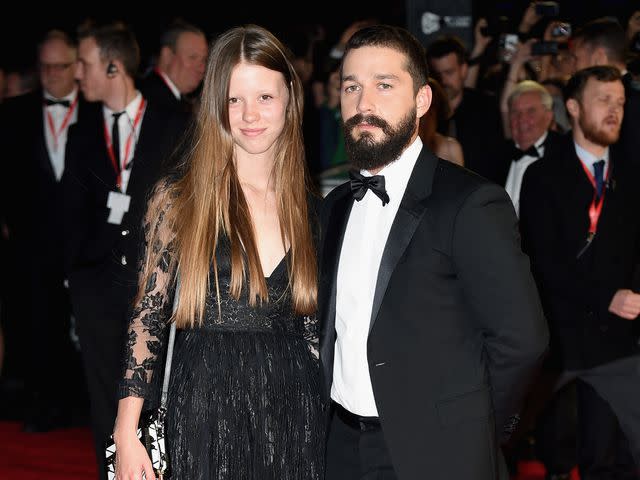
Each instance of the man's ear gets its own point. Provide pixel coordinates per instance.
(423, 100)
(573, 107)
(166, 54)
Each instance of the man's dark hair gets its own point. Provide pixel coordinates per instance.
(605, 32)
(116, 41)
(396, 38)
(446, 44)
(169, 37)
(602, 73)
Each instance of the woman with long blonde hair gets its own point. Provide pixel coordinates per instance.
(236, 228)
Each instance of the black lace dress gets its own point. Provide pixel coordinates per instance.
(244, 396)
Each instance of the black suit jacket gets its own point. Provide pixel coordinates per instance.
(155, 90)
(96, 249)
(577, 292)
(38, 214)
(456, 325)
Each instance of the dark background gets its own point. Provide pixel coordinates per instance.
(21, 25)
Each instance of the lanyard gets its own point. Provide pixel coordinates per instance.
(127, 150)
(595, 209)
(63, 125)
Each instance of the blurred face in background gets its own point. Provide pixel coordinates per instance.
(528, 118)
(186, 65)
(57, 63)
(450, 73)
(91, 71)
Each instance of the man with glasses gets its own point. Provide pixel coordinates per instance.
(34, 130)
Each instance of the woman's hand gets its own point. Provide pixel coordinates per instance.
(131, 458)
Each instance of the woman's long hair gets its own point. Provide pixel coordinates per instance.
(206, 202)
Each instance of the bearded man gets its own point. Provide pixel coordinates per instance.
(581, 228)
(431, 322)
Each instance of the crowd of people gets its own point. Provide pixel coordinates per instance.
(467, 294)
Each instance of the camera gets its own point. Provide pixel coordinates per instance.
(544, 48)
(547, 9)
(507, 45)
(561, 30)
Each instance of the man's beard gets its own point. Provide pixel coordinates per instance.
(365, 153)
(597, 135)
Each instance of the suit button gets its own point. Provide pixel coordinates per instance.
(604, 328)
(125, 233)
(123, 260)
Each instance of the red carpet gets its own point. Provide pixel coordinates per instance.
(63, 454)
(68, 455)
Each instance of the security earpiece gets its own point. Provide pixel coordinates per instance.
(112, 69)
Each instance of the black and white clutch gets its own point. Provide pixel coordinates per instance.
(151, 433)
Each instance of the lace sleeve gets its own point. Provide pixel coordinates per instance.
(148, 326)
(311, 335)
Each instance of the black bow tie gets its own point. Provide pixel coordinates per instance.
(360, 184)
(49, 102)
(517, 154)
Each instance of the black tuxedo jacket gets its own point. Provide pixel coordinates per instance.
(37, 215)
(551, 143)
(100, 255)
(456, 325)
(577, 292)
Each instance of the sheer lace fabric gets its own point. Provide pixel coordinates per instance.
(244, 397)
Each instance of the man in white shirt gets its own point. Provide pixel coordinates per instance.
(180, 67)
(423, 360)
(530, 117)
(34, 138)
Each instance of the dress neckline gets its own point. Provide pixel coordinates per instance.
(277, 267)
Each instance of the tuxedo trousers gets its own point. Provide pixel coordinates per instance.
(355, 453)
(613, 387)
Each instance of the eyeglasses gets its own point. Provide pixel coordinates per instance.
(55, 67)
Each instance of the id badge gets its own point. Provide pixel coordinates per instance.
(118, 204)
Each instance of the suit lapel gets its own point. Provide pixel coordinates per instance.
(412, 209)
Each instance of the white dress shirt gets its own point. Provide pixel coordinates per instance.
(364, 241)
(57, 142)
(170, 84)
(517, 170)
(125, 129)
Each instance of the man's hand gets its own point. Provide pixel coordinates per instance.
(625, 304)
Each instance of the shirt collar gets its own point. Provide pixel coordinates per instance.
(589, 158)
(71, 97)
(170, 84)
(538, 143)
(131, 109)
(397, 173)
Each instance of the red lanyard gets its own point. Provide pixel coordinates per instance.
(63, 125)
(127, 149)
(596, 205)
